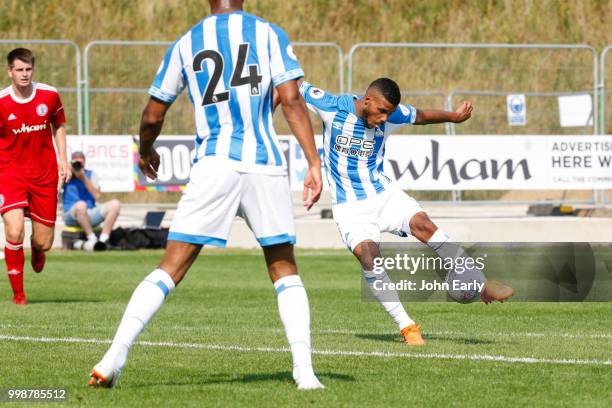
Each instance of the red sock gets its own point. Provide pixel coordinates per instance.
(15, 258)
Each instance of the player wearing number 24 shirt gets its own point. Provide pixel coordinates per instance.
(229, 62)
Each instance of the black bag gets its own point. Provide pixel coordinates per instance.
(138, 238)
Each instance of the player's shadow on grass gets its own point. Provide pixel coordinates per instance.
(395, 338)
(232, 378)
(283, 376)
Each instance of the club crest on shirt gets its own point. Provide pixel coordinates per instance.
(316, 93)
(42, 110)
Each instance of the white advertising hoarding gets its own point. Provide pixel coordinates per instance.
(489, 162)
(415, 162)
(110, 157)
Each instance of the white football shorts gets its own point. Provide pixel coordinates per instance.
(216, 193)
(388, 211)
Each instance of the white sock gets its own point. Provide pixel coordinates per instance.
(145, 302)
(92, 237)
(442, 245)
(103, 237)
(389, 299)
(446, 248)
(295, 315)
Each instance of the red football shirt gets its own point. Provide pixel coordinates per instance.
(26, 132)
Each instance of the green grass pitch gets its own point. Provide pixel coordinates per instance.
(218, 340)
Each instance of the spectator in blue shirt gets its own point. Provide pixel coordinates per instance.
(80, 208)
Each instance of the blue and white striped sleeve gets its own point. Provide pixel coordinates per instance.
(284, 65)
(404, 114)
(169, 81)
(317, 99)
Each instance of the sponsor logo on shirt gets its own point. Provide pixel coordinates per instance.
(27, 129)
(353, 146)
(12, 116)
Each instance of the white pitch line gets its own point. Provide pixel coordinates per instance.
(602, 336)
(484, 334)
(220, 347)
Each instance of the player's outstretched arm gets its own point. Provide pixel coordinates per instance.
(62, 165)
(296, 114)
(151, 124)
(429, 116)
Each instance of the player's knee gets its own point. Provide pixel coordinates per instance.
(366, 252)
(14, 233)
(42, 244)
(421, 226)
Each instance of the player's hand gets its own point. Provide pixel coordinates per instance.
(64, 171)
(464, 112)
(148, 162)
(313, 184)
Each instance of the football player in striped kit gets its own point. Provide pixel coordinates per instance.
(229, 62)
(366, 202)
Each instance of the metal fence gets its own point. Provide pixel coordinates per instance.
(543, 115)
(117, 75)
(606, 94)
(538, 70)
(541, 71)
(58, 63)
(605, 104)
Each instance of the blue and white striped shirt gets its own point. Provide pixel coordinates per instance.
(353, 153)
(229, 63)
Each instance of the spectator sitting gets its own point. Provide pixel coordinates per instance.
(80, 208)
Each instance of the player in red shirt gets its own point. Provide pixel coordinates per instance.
(30, 113)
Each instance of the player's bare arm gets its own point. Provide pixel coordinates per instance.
(150, 127)
(430, 116)
(62, 165)
(296, 114)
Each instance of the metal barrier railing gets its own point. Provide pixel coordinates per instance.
(86, 78)
(603, 89)
(454, 93)
(604, 92)
(340, 57)
(88, 90)
(586, 48)
(77, 68)
(83, 91)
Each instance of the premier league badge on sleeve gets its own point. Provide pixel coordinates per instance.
(316, 93)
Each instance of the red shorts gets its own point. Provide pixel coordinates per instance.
(38, 201)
